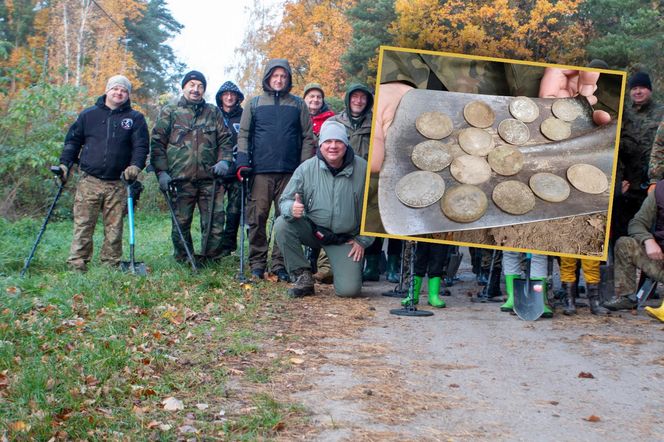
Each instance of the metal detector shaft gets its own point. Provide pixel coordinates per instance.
(58, 172)
(190, 257)
(243, 195)
(210, 218)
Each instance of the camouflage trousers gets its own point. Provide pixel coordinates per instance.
(630, 255)
(93, 196)
(233, 207)
(189, 195)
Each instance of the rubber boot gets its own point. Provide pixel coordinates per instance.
(508, 306)
(493, 288)
(417, 286)
(593, 300)
(548, 313)
(371, 271)
(657, 313)
(569, 308)
(434, 288)
(393, 262)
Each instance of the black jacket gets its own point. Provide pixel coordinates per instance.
(105, 142)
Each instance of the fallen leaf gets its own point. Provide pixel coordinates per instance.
(592, 418)
(172, 404)
(19, 426)
(202, 406)
(272, 278)
(154, 424)
(187, 429)
(4, 380)
(165, 427)
(586, 375)
(297, 351)
(13, 291)
(297, 361)
(239, 306)
(279, 426)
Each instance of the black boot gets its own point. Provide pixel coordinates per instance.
(304, 284)
(493, 288)
(569, 308)
(593, 300)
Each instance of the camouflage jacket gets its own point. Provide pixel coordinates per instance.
(637, 133)
(188, 139)
(656, 167)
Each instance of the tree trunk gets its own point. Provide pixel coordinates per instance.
(80, 43)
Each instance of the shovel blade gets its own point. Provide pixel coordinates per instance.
(528, 300)
(645, 291)
(137, 268)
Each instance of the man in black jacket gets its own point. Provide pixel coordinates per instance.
(108, 140)
(275, 137)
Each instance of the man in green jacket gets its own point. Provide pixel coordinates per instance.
(322, 207)
(191, 146)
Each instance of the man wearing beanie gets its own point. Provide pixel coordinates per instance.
(190, 148)
(275, 137)
(107, 141)
(322, 208)
(228, 98)
(314, 97)
(641, 116)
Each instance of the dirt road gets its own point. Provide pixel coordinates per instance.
(471, 372)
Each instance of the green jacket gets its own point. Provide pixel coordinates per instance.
(188, 139)
(637, 133)
(359, 130)
(640, 227)
(333, 202)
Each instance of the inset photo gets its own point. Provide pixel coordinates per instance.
(493, 153)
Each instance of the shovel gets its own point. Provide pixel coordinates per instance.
(136, 268)
(528, 302)
(645, 291)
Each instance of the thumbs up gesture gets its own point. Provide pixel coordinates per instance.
(298, 207)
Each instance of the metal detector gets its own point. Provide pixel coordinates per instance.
(410, 309)
(172, 190)
(58, 173)
(398, 291)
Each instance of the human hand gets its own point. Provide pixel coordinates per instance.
(624, 186)
(562, 83)
(298, 208)
(64, 176)
(653, 250)
(164, 180)
(131, 173)
(221, 168)
(356, 252)
(389, 97)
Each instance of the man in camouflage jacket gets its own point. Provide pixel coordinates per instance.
(191, 147)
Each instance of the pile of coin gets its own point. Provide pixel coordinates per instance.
(477, 156)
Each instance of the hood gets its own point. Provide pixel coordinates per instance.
(229, 86)
(277, 63)
(359, 87)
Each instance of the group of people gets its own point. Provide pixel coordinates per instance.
(309, 166)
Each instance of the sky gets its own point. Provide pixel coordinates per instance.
(212, 30)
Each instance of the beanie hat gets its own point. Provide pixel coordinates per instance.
(118, 80)
(598, 64)
(229, 86)
(640, 79)
(332, 130)
(194, 75)
(311, 86)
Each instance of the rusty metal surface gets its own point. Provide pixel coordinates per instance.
(588, 144)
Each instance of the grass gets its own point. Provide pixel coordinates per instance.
(92, 356)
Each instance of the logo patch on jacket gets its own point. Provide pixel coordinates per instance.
(127, 123)
(236, 127)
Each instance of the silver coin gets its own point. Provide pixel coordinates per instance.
(556, 129)
(464, 203)
(549, 187)
(513, 131)
(479, 114)
(524, 109)
(431, 155)
(587, 178)
(434, 125)
(476, 141)
(420, 189)
(505, 160)
(468, 169)
(567, 109)
(513, 197)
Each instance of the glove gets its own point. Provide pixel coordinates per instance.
(131, 173)
(164, 180)
(65, 173)
(242, 173)
(221, 168)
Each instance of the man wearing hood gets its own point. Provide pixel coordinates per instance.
(108, 140)
(275, 137)
(322, 207)
(357, 118)
(229, 97)
(190, 147)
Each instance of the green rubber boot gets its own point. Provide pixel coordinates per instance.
(371, 271)
(548, 312)
(392, 274)
(416, 293)
(434, 288)
(509, 288)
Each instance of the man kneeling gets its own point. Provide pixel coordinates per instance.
(322, 207)
(641, 249)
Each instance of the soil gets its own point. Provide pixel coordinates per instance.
(469, 372)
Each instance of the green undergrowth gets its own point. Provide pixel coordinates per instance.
(94, 355)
